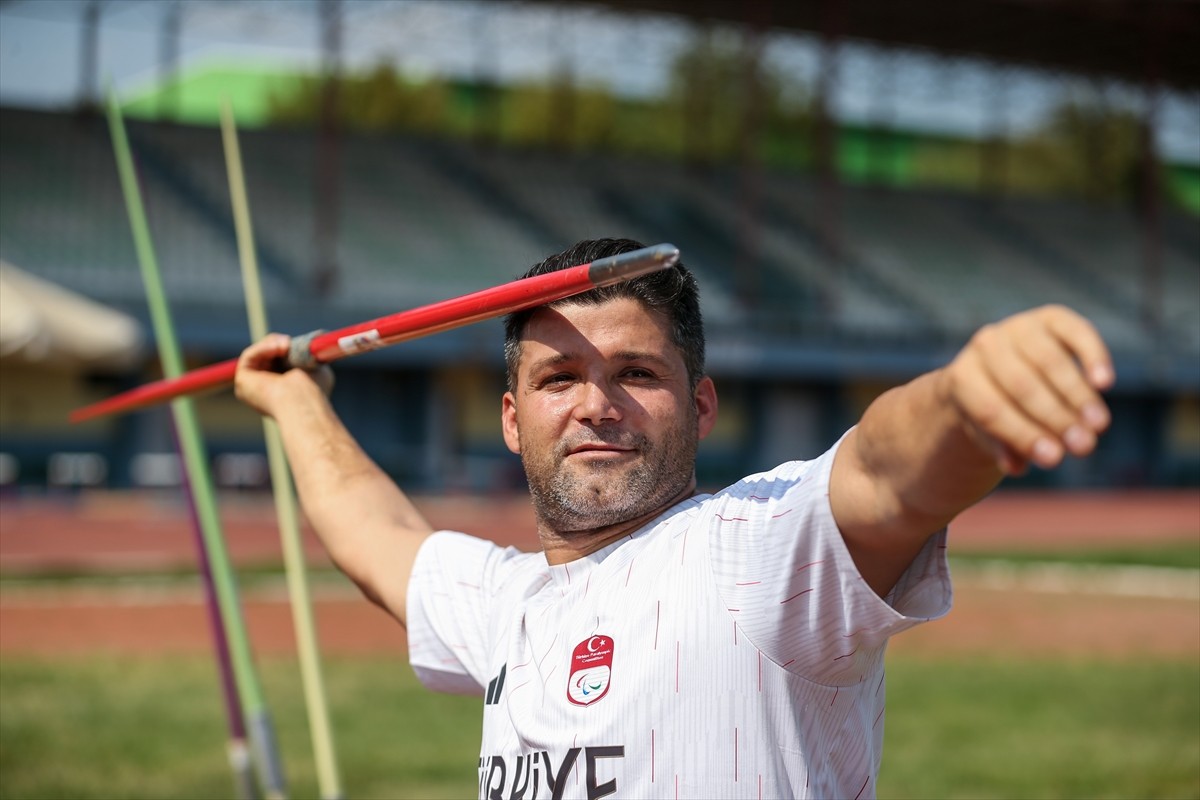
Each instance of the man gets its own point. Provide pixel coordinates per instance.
(667, 643)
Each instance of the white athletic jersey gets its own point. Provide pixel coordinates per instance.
(728, 649)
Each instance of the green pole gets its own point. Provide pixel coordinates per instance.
(259, 728)
(281, 482)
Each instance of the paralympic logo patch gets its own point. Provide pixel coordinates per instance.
(591, 670)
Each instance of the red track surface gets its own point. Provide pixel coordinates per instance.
(144, 531)
(131, 533)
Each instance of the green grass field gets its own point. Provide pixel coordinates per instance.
(1176, 555)
(154, 728)
(1042, 729)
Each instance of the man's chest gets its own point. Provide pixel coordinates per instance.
(606, 661)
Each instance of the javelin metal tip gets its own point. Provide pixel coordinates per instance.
(635, 263)
(667, 253)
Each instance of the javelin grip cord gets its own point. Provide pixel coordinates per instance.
(299, 352)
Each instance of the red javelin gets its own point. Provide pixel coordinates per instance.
(320, 347)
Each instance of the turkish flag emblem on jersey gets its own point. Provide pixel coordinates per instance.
(591, 670)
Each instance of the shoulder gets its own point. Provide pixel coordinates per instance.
(467, 557)
(788, 482)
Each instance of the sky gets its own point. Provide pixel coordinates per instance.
(41, 48)
(40, 41)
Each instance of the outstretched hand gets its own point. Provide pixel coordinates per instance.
(1028, 387)
(260, 383)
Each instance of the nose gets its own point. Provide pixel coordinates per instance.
(596, 404)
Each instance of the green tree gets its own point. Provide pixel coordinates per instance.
(723, 103)
(1083, 149)
(724, 99)
(378, 101)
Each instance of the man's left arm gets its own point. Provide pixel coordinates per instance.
(1023, 391)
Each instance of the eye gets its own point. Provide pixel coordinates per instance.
(638, 373)
(557, 379)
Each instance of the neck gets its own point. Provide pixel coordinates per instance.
(562, 547)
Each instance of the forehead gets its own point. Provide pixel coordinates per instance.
(621, 325)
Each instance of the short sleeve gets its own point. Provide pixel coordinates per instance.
(451, 597)
(782, 568)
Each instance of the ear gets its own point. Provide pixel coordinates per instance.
(706, 405)
(508, 422)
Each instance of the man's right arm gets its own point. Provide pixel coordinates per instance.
(371, 530)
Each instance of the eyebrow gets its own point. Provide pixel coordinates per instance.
(627, 356)
(639, 355)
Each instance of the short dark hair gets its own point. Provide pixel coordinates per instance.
(672, 292)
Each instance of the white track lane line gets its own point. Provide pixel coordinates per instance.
(1172, 583)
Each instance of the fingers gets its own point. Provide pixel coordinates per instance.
(1083, 341)
(1030, 385)
(1075, 364)
(266, 352)
(254, 380)
(1006, 431)
(264, 381)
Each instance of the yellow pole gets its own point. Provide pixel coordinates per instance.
(281, 481)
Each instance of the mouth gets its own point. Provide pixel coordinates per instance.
(599, 450)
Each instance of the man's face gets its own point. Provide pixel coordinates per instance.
(602, 415)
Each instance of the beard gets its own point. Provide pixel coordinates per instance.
(589, 495)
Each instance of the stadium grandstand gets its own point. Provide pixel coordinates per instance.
(821, 286)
